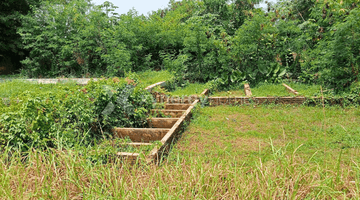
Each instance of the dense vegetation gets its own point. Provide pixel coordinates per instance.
(12, 49)
(228, 41)
(63, 115)
(55, 140)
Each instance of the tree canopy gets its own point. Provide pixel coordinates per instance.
(226, 41)
(11, 12)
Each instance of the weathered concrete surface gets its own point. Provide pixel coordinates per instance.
(215, 101)
(247, 90)
(140, 134)
(80, 81)
(177, 106)
(172, 113)
(289, 89)
(162, 122)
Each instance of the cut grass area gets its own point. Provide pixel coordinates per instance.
(190, 89)
(285, 124)
(151, 77)
(267, 90)
(247, 152)
(274, 151)
(270, 89)
(230, 93)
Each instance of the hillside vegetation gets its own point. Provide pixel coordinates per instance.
(228, 41)
(56, 140)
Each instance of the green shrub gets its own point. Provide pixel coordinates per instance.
(69, 114)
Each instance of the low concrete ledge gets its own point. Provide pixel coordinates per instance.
(162, 122)
(215, 101)
(80, 81)
(177, 106)
(172, 113)
(161, 98)
(137, 144)
(150, 87)
(140, 134)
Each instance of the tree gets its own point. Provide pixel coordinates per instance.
(11, 12)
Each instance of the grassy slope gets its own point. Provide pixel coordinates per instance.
(190, 89)
(274, 151)
(227, 152)
(151, 77)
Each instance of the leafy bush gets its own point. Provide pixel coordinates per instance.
(70, 114)
(73, 38)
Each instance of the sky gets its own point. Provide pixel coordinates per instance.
(143, 6)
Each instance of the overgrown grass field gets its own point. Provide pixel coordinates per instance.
(227, 152)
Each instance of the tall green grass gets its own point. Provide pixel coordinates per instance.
(247, 152)
(15, 87)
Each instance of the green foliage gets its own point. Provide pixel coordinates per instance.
(10, 19)
(73, 38)
(342, 43)
(12, 50)
(229, 42)
(44, 116)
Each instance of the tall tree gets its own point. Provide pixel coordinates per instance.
(11, 48)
